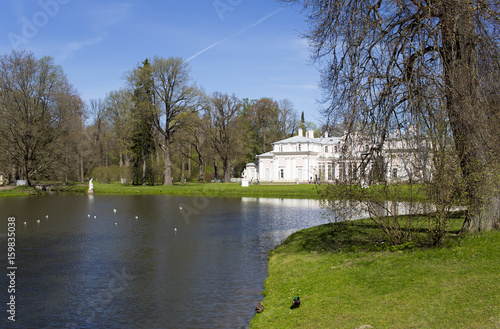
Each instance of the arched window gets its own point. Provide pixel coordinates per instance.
(326, 149)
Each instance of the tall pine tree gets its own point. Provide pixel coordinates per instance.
(143, 143)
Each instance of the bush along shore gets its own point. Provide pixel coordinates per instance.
(348, 277)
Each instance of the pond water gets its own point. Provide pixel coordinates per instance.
(157, 262)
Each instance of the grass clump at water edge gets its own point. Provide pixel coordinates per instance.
(347, 278)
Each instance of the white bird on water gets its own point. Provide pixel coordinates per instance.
(25, 223)
(136, 217)
(175, 230)
(116, 223)
(89, 216)
(38, 221)
(114, 210)
(47, 216)
(95, 216)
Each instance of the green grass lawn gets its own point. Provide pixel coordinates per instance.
(214, 190)
(189, 189)
(346, 278)
(18, 191)
(309, 191)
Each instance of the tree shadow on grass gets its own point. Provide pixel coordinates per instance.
(355, 236)
(335, 237)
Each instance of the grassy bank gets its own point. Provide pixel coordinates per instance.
(308, 191)
(18, 191)
(212, 190)
(347, 278)
(189, 189)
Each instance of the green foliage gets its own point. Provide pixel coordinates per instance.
(106, 175)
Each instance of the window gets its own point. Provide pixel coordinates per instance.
(331, 171)
(299, 173)
(281, 148)
(282, 173)
(326, 149)
(395, 173)
(298, 148)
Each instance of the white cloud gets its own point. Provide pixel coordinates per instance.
(106, 14)
(69, 49)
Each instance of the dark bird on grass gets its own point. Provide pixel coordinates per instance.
(296, 303)
(259, 308)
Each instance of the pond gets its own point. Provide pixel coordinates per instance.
(143, 261)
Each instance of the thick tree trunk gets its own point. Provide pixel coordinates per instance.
(167, 180)
(467, 115)
(201, 172)
(216, 171)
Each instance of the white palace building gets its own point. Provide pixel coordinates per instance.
(305, 159)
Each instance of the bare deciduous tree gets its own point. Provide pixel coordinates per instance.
(385, 61)
(37, 107)
(174, 97)
(288, 119)
(226, 133)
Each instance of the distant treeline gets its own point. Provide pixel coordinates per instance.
(159, 127)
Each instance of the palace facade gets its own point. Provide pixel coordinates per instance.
(303, 159)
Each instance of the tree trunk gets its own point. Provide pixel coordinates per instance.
(167, 180)
(201, 172)
(467, 115)
(216, 171)
(144, 167)
(183, 165)
(81, 168)
(227, 170)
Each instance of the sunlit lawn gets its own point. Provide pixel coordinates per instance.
(346, 281)
(309, 191)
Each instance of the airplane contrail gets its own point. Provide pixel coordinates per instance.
(235, 35)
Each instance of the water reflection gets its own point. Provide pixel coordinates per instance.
(280, 217)
(301, 203)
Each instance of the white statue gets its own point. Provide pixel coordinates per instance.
(91, 187)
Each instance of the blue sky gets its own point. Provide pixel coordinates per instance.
(251, 48)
